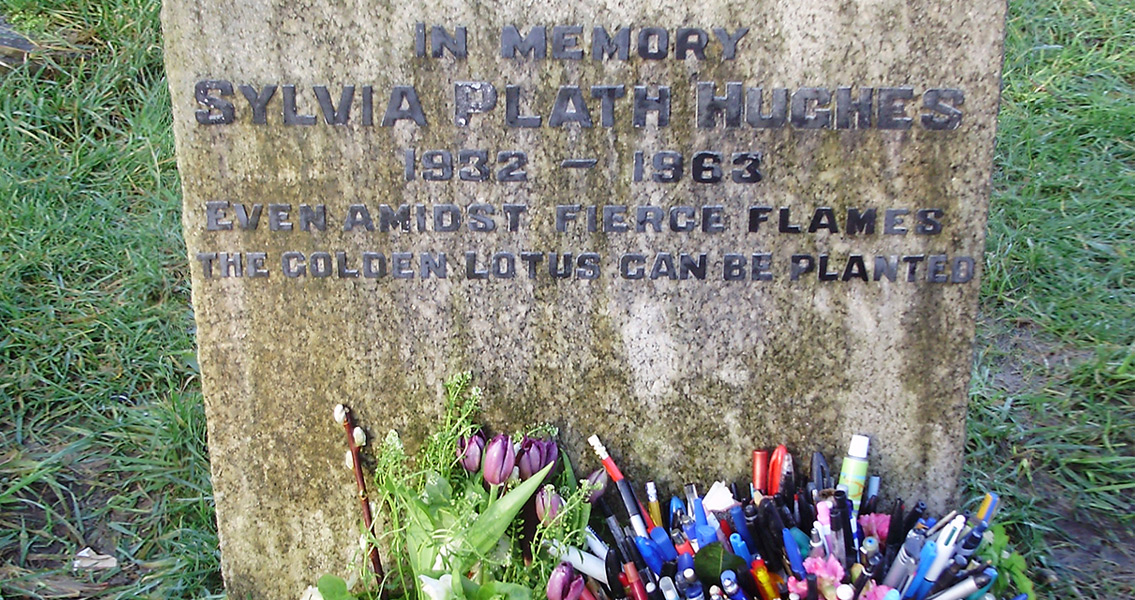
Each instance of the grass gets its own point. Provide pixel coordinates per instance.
(105, 443)
(1053, 396)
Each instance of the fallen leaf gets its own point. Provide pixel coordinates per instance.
(88, 559)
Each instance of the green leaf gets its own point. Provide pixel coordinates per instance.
(470, 588)
(420, 545)
(568, 482)
(491, 525)
(333, 588)
(584, 516)
(437, 490)
(711, 560)
(501, 589)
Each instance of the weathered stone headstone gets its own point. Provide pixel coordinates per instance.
(693, 228)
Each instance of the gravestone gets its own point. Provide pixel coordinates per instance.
(692, 228)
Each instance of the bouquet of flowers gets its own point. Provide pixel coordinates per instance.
(474, 518)
(471, 517)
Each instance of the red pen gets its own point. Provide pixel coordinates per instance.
(634, 582)
(760, 471)
(775, 464)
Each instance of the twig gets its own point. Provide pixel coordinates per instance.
(344, 417)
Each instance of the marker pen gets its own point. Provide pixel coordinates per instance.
(613, 567)
(595, 543)
(625, 490)
(584, 562)
(853, 471)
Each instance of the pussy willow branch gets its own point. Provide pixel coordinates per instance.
(360, 482)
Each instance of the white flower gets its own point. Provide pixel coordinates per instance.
(350, 461)
(340, 414)
(360, 436)
(311, 593)
(437, 589)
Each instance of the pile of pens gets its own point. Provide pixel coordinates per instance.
(779, 539)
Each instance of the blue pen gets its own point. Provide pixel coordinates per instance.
(650, 553)
(676, 506)
(706, 535)
(685, 561)
(737, 515)
(730, 587)
(793, 552)
(699, 513)
(740, 548)
(925, 559)
(691, 530)
(992, 573)
(665, 545)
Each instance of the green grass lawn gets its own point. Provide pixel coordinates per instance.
(104, 443)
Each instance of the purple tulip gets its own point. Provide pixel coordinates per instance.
(564, 583)
(469, 451)
(534, 455)
(597, 480)
(500, 458)
(548, 504)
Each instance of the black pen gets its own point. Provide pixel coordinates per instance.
(893, 541)
(912, 518)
